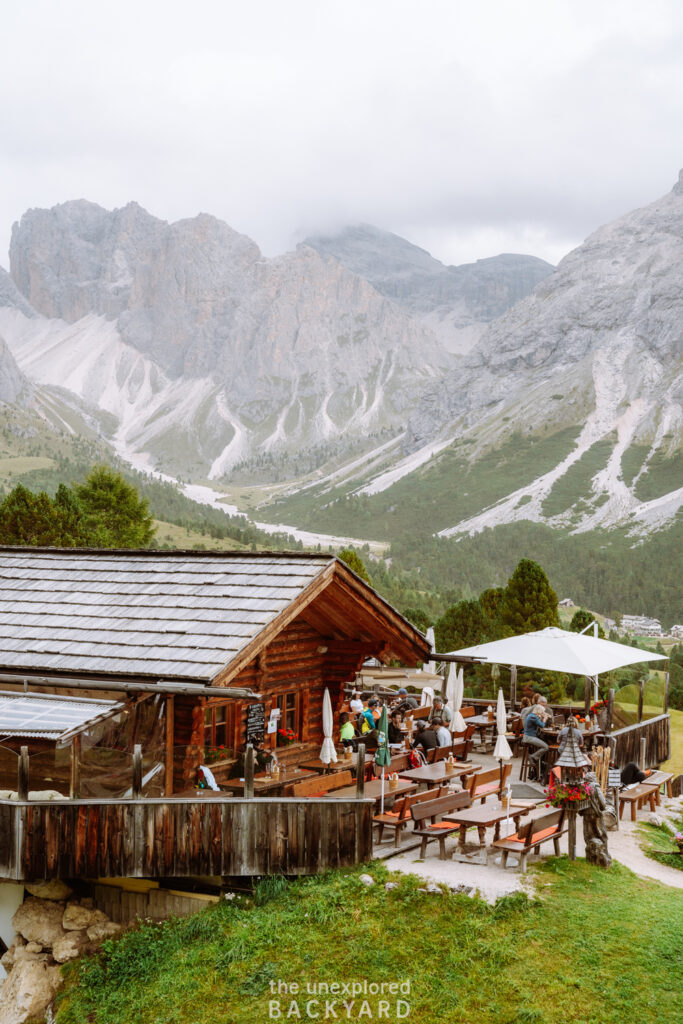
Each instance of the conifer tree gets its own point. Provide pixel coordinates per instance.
(530, 602)
(115, 516)
(356, 563)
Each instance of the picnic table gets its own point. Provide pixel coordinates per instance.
(437, 772)
(265, 782)
(373, 790)
(484, 816)
(340, 765)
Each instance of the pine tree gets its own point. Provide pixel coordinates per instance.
(113, 513)
(581, 619)
(461, 625)
(355, 562)
(530, 602)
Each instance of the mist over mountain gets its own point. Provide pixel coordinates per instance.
(455, 302)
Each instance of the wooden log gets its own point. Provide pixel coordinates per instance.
(587, 695)
(610, 710)
(571, 832)
(75, 774)
(641, 689)
(249, 773)
(22, 774)
(137, 771)
(513, 687)
(642, 759)
(360, 772)
(665, 707)
(170, 727)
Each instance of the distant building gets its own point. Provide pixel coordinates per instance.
(641, 625)
(676, 631)
(567, 602)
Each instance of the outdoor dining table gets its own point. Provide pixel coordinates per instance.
(340, 765)
(373, 789)
(265, 783)
(437, 772)
(483, 816)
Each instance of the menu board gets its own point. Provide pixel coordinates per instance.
(256, 722)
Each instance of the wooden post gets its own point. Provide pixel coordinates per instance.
(170, 730)
(643, 754)
(22, 773)
(610, 710)
(641, 688)
(360, 772)
(587, 695)
(75, 779)
(513, 687)
(249, 772)
(665, 709)
(571, 832)
(137, 771)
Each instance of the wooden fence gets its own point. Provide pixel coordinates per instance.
(177, 837)
(657, 735)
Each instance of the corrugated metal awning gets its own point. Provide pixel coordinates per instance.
(44, 716)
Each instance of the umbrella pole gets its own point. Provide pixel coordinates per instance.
(382, 806)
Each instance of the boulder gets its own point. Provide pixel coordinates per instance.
(29, 989)
(71, 946)
(40, 920)
(366, 879)
(53, 890)
(99, 932)
(77, 917)
(34, 947)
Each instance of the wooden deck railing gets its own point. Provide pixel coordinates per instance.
(181, 837)
(657, 735)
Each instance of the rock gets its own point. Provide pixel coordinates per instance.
(54, 890)
(99, 932)
(655, 819)
(88, 902)
(366, 879)
(71, 946)
(40, 920)
(29, 989)
(463, 889)
(7, 958)
(34, 947)
(434, 889)
(77, 917)
(390, 885)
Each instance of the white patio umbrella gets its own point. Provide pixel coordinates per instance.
(429, 666)
(558, 650)
(502, 751)
(327, 751)
(454, 691)
(427, 697)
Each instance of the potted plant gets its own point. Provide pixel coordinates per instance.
(285, 737)
(569, 794)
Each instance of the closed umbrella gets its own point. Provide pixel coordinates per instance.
(382, 754)
(328, 752)
(427, 697)
(429, 666)
(454, 691)
(502, 751)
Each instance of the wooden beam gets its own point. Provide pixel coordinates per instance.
(170, 728)
(75, 774)
(22, 774)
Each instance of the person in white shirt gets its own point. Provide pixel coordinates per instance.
(442, 734)
(356, 704)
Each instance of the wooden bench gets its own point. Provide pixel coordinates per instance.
(490, 783)
(637, 797)
(460, 751)
(424, 815)
(531, 836)
(399, 818)
(660, 779)
(399, 763)
(318, 785)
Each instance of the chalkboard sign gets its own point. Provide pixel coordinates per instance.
(256, 722)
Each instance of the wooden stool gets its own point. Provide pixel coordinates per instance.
(524, 770)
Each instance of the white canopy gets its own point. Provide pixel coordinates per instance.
(558, 650)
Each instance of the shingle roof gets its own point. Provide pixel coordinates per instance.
(174, 615)
(48, 717)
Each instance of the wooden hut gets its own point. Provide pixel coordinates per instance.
(225, 642)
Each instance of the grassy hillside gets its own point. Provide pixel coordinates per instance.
(561, 956)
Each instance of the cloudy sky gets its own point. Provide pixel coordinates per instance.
(471, 127)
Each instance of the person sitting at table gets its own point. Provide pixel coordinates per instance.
(443, 736)
(439, 710)
(524, 708)
(368, 716)
(533, 724)
(425, 737)
(262, 758)
(564, 733)
(406, 701)
(394, 732)
(347, 733)
(356, 704)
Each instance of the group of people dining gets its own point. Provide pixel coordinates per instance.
(430, 723)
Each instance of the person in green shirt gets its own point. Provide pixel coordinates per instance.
(346, 731)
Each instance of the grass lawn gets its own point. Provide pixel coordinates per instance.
(658, 843)
(591, 945)
(18, 465)
(675, 762)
